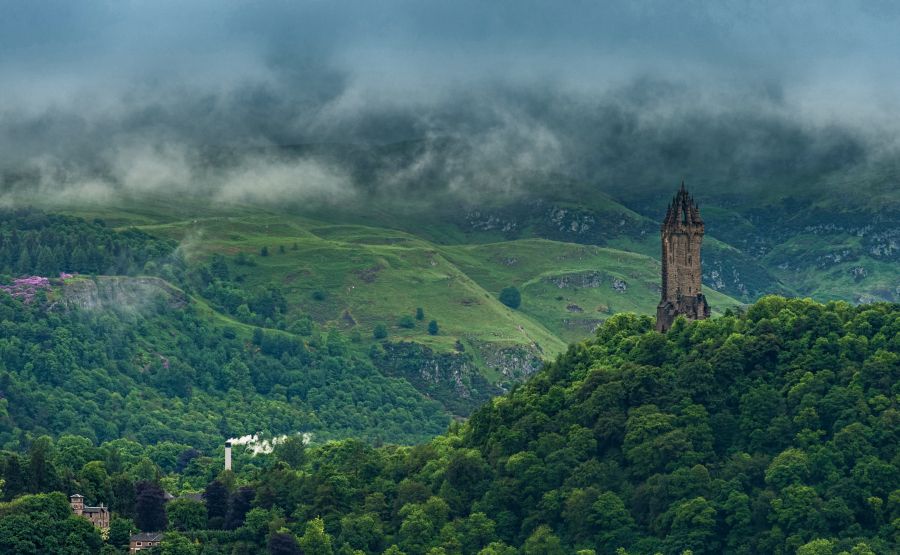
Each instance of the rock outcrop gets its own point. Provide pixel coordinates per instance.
(119, 293)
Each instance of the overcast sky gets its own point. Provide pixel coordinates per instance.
(79, 77)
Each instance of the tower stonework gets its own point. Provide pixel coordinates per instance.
(682, 233)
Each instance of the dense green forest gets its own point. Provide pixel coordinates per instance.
(770, 431)
(35, 242)
(172, 375)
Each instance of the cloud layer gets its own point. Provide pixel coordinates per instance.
(103, 96)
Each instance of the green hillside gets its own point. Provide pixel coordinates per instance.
(355, 277)
(577, 253)
(143, 357)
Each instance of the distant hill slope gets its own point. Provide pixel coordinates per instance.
(355, 277)
(829, 231)
(359, 264)
(134, 357)
(139, 357)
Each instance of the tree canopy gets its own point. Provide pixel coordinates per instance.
(770, 431)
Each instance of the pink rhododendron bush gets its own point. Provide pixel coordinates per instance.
(25, 288)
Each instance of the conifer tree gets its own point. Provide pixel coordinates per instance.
(23, 266)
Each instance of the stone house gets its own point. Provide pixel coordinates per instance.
(144, 540)
(99, 516)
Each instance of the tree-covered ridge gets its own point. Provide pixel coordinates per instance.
(773, 431)
(754, 433)
(35, 242)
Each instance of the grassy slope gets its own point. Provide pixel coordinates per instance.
(378, 272)
(830, 278)
(369, 275)
(375, 275)
(570, 311)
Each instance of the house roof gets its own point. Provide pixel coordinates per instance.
(74, 495)
(99, 509)
(147, 537)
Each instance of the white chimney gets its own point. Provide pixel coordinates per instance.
(227, 455)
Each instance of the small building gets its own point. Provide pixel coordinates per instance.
(99, 516)
(144, 540)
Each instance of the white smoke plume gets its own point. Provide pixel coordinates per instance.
(258, 446)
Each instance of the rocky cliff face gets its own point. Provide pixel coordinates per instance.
(591, 226)
(450, 378)
(119, 293)
(453, 378)
(590, 279)
(513, 362)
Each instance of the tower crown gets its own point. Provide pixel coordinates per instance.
(682, 211)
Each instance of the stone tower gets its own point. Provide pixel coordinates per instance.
(682, 233)
(77, 503)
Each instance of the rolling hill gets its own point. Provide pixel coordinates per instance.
(355, 277)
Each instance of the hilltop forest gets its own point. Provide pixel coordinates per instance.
(769, 431)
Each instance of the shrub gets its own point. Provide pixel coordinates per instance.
(406, 322)
(243, 260)
(302, 326)
(511, 297)
(380, 331)
(433, 327)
